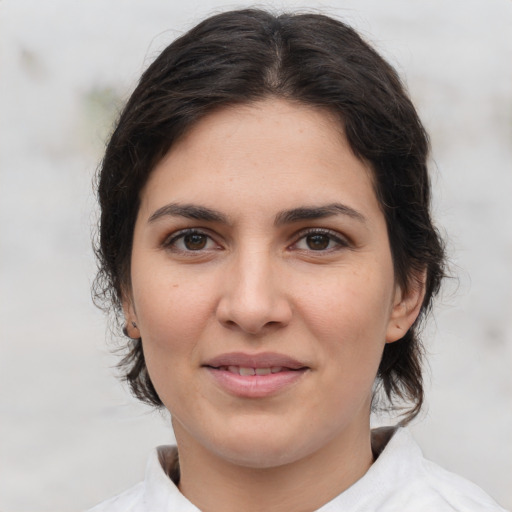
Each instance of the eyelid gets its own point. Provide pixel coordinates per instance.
(341, 240)
(169, 240)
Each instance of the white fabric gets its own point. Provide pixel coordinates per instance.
(400, 480)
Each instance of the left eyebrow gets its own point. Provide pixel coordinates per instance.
(317, 212)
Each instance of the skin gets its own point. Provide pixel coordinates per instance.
(321, 290)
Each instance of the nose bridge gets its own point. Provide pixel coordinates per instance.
(253, 297)
(254, 277)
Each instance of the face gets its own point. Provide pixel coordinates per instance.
(262, 285)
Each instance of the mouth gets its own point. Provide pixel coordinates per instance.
(268, 362)
(249, 371)
(255, 376)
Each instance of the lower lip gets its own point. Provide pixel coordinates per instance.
(255, 386)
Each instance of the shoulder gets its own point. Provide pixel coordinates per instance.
(401, 479)
(424, 486)
(157, 492)
(129, 501)
(451, 490)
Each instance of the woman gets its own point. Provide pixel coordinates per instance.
(266, 238)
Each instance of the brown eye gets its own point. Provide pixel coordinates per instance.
(318, 242)
(195, 241)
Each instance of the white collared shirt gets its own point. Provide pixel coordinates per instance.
(400, 480)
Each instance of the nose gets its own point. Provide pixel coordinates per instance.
(254, 298)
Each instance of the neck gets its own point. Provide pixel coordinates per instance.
(214, 484)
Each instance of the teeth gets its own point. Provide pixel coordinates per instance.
(240, 370)
(247, 371)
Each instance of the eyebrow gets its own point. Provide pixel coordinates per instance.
(317, 212)
(195, 212)
(189, 211)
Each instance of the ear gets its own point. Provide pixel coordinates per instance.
(130, 316)
(406, 308)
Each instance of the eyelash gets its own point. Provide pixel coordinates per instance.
(170, 241)
(333, 237)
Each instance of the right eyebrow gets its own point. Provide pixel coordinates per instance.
(189, 211)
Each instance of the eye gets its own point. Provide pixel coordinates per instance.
(195, 241)
(190, 241)
(320, 240)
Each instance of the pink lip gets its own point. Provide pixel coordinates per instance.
(261, 360)
(255, 386)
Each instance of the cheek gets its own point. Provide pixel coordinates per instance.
(349, 302)
(348, 314)
(171, 315)
(171, 311)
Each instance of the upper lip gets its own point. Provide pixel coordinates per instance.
(261, 360)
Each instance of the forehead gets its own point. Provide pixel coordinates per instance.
(269, 152)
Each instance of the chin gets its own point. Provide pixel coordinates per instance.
(263, 446)
(259, 454)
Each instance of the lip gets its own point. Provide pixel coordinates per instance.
(261, 360)
(255, 386)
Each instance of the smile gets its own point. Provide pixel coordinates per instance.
(254, 376)
(240, 370)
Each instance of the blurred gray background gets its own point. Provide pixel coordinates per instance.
(70, 435)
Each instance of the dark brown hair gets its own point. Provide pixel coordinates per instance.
(244, 56)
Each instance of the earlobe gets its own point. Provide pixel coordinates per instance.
(406, 308)
(131, 329)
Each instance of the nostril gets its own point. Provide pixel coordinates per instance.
(254, 313)
(253, 330)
